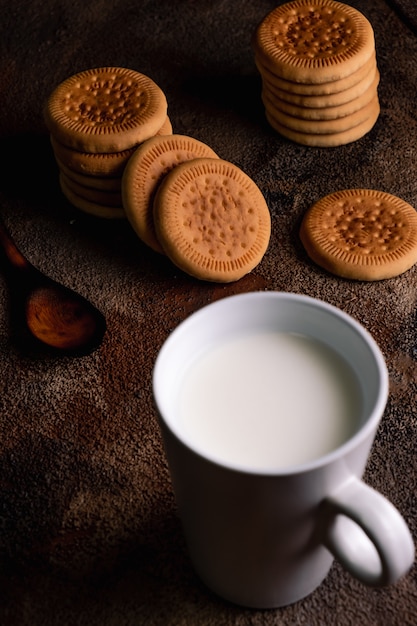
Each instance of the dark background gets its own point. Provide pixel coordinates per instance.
(88, 527)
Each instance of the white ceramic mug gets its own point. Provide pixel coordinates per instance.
(266, 537)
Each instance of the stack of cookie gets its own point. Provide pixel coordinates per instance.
(96, 120)
(319, 72)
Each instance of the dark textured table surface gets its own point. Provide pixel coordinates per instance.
(88, 528)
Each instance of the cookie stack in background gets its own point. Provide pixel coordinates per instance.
(96, 120)
(319, 72)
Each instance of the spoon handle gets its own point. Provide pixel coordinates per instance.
(13, 254)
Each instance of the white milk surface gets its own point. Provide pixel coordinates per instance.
(269, 400)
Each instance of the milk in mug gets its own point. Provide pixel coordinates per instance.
(267, 400)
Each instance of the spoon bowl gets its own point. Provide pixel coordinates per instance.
(54, 315)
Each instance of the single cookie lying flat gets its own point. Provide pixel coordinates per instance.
(361, 234)
(212, 220)
(145, 170)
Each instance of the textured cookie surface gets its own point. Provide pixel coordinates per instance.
(212, 220)
(108, 109)
(314, 41)
(361, 234)
(145, 171)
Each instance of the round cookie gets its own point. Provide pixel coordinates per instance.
(321, 126)
(144, 172)
(102, 165)
(325, 108)
(89, 206)
(329, 140)
(98, 196)
(108, 109)
(94, 182)
(317, 89)
(314, 41)
(166, 128)
(212, 220)
(361, 234)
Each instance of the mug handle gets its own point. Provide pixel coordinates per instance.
(367, 534)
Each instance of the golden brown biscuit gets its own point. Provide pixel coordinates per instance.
(106, 164)
(330, 140)
(322, 113)
(88, 206)
(107, 109)
(314, 41)
(361, 234)
(212, 220)
(317, 89)
(322, 126)
(333, 105)
(98, 196)
(166, 128)
(144, 172)
(94, 182)
(102, 165)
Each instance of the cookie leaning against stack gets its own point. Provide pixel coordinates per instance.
(145, 171)
(96, 120)
(319, 73)
(361, 234)
(212, 220)
(204, 213)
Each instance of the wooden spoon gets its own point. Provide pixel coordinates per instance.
(54, 315)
